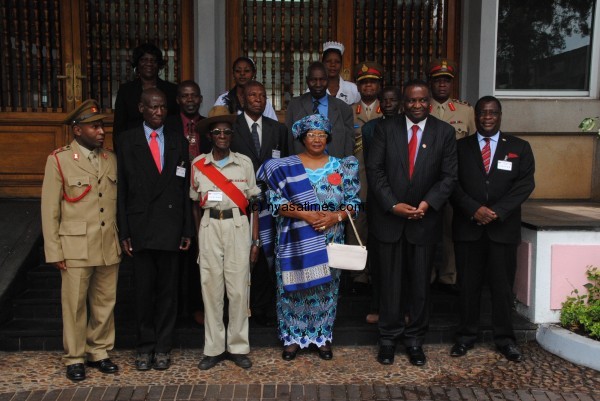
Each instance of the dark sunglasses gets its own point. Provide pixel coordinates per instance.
(217, 131)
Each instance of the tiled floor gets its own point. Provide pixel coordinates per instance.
(481, 368)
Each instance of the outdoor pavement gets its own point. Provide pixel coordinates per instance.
(353, 374)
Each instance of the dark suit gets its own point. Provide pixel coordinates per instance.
(174, 123)
(489, 251)
(405, 247)
(274, 136)
(127, 114)
(340, 116)
(154, 212)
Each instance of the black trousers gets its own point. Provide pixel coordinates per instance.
(190, 292)
(262, 288)
(483, 261)
(155, 274)
(405, 273)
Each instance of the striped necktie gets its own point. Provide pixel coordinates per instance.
(316, 104)
(486, 154)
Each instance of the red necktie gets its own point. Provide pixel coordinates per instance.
(412, 150)
(485, 154)
(155, 150)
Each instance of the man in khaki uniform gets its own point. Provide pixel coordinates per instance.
(80, 239)
(224, 239)
(368, 76)
(461, 116)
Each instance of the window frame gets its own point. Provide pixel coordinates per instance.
(594, 89)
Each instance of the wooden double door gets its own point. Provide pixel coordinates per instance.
(57, 53)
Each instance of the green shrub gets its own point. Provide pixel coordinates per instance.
(581, 313)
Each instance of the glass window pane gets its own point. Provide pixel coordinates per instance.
(544, 44)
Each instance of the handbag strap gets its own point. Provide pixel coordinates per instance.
(354, 228)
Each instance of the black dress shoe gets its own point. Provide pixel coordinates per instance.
(416, 355)
(289, 352)
(143, 361)
(240, 360)
(325, 352)
(460, 349)
(209, 362)
(162, 361)
(76, 372)
(511, 352)
(385, 356)
(104, 365)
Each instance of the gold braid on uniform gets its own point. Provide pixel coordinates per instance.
(358, 144)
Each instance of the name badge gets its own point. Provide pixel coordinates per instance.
(504, 165)
(215, 196)
(180, 171)
(275, 153)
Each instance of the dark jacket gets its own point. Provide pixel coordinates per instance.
(501, 190)
(274, 136)
(433, 179)
(153, 209)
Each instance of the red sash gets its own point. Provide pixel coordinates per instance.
(223, 183)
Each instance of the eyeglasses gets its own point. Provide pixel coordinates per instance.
(485, 113)
(315, 135)
(217, 131)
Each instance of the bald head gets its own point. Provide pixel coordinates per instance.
(153, 106)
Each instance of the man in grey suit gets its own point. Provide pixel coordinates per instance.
(412, 165)
(316, 100)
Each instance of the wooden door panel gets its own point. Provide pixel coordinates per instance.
(22, 165)
(61, 52)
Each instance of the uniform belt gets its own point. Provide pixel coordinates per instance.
(221, 214)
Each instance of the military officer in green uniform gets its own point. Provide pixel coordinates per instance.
(461, 116)
(369, 76)
(80, 239)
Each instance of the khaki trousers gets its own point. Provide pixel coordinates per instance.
(93, 335)
(224, 268)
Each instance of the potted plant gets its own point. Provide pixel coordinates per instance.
(581, 312)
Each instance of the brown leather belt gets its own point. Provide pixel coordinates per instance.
(221, 214)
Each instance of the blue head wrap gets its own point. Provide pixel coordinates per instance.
(312, 122)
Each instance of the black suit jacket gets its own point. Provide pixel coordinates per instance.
(433, 179)
(174, 124)
(501, 190)
(127, 114)
(340, 116)
(274, 136)
(153, 209)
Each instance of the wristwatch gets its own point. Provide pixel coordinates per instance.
(257, 242)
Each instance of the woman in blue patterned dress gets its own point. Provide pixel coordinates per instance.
(311, 196)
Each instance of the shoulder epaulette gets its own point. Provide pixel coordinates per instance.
(55, 151)
(461, 102)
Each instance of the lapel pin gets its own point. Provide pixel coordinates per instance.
(424, 146)
(503, 139)
(76, 156)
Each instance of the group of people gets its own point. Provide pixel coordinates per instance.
(251, 203)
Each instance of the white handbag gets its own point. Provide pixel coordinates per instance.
(347, 257)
